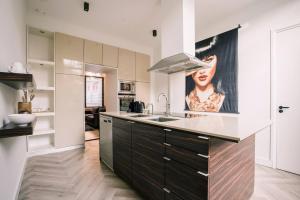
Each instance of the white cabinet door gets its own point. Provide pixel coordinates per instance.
(142, 64)
(69, 102)
(68, 54)
(142, 92)
(126, 65)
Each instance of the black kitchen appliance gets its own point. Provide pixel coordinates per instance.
(136, 106)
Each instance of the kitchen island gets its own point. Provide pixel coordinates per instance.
(207, 157)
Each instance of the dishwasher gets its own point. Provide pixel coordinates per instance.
(105, 143)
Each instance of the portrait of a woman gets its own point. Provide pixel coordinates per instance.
(214, 88)
(205, 97)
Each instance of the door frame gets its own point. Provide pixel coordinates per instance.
(273, 110)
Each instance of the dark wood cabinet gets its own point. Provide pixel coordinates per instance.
(164, 164)
(122, 149)
(188, 141)
(146, 188)
(185, 181)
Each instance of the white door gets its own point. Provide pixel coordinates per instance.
(287, 83)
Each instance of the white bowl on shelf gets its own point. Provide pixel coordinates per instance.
(21, 119)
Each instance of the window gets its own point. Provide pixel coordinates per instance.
(93, 91)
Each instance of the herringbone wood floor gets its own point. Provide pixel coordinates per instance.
(78, 175)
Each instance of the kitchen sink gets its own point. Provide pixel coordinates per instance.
(140, 115)
(163, 119)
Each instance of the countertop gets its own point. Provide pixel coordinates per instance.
(229, 128)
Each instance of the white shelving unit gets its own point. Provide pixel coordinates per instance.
(40, 58)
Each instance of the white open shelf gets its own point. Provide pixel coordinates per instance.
(43, 132)
(45, 89)
(41, 142)
(40, 46)
(43, 114)
(40, 57)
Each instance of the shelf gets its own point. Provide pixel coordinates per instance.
(12, 130)
(43, 132)
(45, 89)
(15, 80)
(41, 62)
(41, 147)
(43, 114)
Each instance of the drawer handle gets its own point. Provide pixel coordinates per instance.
(130, 122)
(166, 158)
(166, 190)
(167, 144)
(203, 156)
(202, 137)
(203, 174)
(168, 130)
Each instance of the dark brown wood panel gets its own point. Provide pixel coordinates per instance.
(187, 141)
(16, 80)
(146, 188)
(150, 165)
(12, 130)
(231, 169)
(189, 158)
(171, 196)
(185, 181)
(153, 145)
(123, 134)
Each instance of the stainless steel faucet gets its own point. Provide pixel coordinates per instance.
(167, 113)
(152, 107)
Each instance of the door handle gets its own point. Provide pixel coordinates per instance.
(282, 107)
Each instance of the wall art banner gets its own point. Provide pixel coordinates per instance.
(214, 89)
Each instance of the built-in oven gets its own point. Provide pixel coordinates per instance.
(126, 87)
(125, 100)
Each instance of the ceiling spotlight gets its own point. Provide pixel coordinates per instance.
(86, 6)
(154, 33)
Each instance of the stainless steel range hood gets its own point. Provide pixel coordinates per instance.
(177, 63)
(177, 37)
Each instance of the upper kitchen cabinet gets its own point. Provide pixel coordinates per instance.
(69, 54)
(126, 65)
(92, 52)
(110, 55)
(142, 64)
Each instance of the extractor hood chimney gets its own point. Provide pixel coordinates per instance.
(177, 37)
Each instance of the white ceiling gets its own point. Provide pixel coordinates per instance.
(132, 19)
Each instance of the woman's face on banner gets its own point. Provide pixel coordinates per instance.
(203, 77)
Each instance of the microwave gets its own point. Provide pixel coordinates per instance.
(126, 87)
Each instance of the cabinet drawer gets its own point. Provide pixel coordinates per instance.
(148, 131)
(172, 196)
(185, 182)
(155, 145)
(190, 158)
(122, 124)
(123, 169)
(150, 165)
(188, 141)
(146, 188)
(122, 134)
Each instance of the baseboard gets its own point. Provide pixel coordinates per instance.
(20, 180)
(54, 150)
(264, 162)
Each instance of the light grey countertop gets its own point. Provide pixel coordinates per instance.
(229, 128)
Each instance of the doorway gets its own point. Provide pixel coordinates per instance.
(100, 96)
(286, 97)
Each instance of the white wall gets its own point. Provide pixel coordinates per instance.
(12, 48)
(254, 64)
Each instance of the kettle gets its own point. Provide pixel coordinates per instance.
(136, 106)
